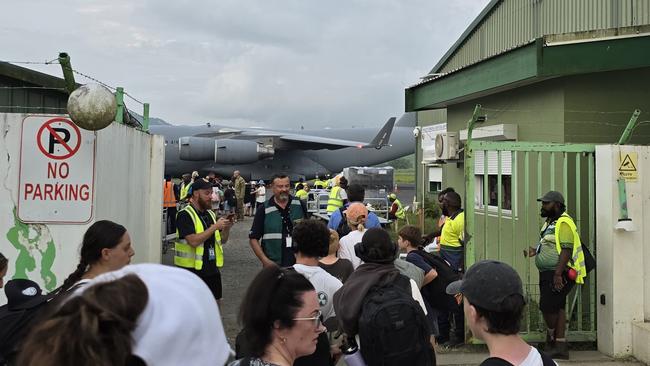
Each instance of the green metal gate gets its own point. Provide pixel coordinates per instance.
(503, 181)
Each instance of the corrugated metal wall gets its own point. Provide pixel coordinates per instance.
(21, 97)
(516, 22)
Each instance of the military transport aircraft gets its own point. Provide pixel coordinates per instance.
(259, 153)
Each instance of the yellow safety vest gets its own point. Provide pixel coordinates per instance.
(577, 261)
(319, 184)
(334, 202)
(184, 190)
(188, 256)
(400, 214)
(302, 194)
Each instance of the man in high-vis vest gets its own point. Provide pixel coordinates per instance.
(396, 209)
(320, 183)
(338, 197)
(270, 235)
(561, 264)
(185, 186)
(200, 237)
(169, 203)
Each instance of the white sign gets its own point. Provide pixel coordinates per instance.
(57, 169)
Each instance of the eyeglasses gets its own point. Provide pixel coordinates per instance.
(315, 319)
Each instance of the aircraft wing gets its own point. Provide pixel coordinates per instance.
(309, 142)
(288, 141)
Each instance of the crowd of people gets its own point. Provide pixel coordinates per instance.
(344, 289)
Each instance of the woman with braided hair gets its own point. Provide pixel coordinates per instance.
(106, 247)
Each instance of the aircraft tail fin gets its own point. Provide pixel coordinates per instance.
(383, 136)
(408, 119)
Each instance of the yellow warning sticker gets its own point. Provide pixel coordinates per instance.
(628, 168)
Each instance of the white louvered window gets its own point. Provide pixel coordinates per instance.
(492, 199)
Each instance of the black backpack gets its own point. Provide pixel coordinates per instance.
(393, 329)
(343, 229)
(436, 291)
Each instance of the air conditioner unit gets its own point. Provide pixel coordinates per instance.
(447, 146)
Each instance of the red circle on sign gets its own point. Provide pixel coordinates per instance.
(46, 126)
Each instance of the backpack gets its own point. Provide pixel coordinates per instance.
(343, 229)
(393, 329)
(436, 291)
(590, 261)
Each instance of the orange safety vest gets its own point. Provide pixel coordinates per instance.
(169, 198)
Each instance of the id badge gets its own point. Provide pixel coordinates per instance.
(211, 254)
(289, 241)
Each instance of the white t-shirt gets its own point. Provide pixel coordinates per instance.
(533, 358)
(346, 248)
(324, 283)
(261, 194)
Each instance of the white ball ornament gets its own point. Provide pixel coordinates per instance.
(92, 107)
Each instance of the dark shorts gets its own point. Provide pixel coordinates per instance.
(214, 283)
(550, 300)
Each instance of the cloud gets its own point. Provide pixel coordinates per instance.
(265, 62)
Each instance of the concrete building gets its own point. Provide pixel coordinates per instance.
(553, 79)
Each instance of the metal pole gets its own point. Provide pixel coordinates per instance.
(119, 97)
(629, 128)
(145, 117)
(469, 190)
(66, 67)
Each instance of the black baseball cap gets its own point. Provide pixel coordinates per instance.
(376, 247)
(487, 284)
(200, 183)
(552, 196)
(24, 294)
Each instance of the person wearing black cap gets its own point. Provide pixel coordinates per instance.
(561, 264)
(368, 291)
(200, 236)
(493, 302)
(24, 302)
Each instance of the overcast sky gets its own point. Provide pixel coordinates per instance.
(266, 63)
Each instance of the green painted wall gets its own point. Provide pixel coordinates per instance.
(598, 107)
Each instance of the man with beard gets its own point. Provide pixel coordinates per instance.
(561, 264)
(200, 236)
(270, 235)
(453, 231)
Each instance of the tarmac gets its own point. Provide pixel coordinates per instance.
(241, 266)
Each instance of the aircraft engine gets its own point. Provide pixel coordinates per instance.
(225, 151)
(196, 148)
(241, 151)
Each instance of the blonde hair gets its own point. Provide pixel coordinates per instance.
(334, 242)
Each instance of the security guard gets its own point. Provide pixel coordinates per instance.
(338, 197)
(200, 236)
(561, 264)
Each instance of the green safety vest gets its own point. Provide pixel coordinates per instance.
(272, 239)
(577, 261)
(184, 190)
(334, 202)
(400, 214)
(188, 256)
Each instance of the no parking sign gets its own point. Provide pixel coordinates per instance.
(57, 169)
